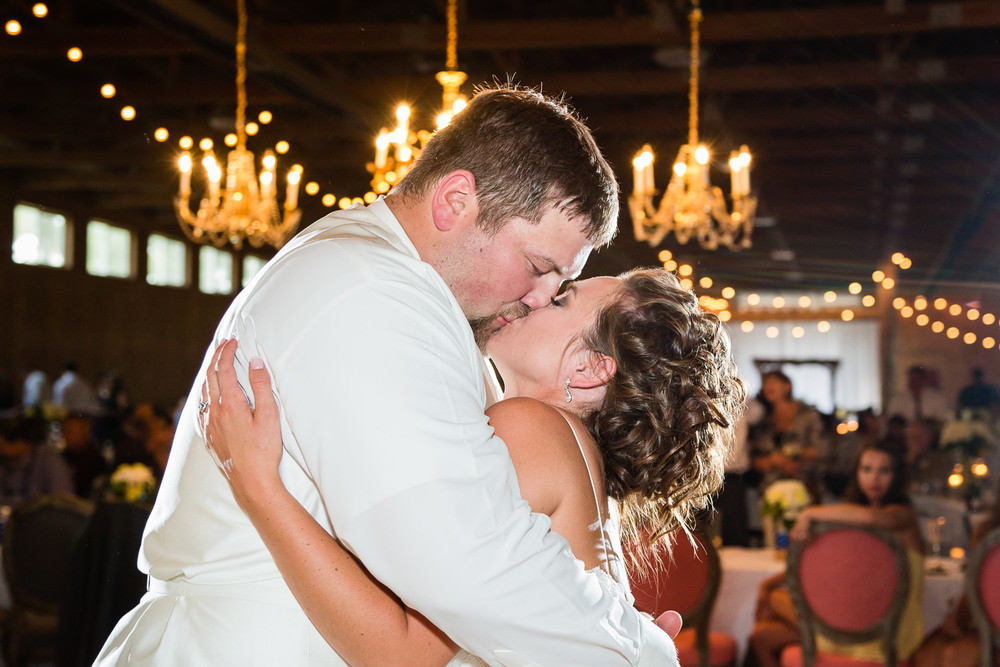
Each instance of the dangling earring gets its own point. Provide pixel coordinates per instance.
(569, 396)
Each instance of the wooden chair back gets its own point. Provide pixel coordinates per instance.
(687, 582)
(982, 590)
(851, 583)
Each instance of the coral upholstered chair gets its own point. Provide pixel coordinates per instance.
(687, 581)
(851, 583)
(982, 590)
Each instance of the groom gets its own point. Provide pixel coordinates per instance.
(363, 322)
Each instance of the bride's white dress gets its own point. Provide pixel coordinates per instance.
(610, 574)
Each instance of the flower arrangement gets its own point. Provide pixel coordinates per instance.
(133, 483)
(783, 500)
(970, 435)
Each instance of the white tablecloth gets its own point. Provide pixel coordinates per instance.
(744, 569)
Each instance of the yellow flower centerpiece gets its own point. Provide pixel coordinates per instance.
(784, 499)
(132, 483)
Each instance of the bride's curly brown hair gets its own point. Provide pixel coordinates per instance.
(666, 422)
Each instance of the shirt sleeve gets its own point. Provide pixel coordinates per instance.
(382, 392)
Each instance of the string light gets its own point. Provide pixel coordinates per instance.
(128, 112)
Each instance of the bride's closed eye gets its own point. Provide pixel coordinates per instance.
(559, 301)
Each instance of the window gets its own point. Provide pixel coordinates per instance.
(251, 265)
(109, 250)
(166, 261)
(215, 271)
(40, 237)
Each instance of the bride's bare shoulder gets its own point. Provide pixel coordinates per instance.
(542, 448)
(524, 417)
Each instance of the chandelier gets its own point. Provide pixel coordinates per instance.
(244, 209)
(396, 151)
(692, 206)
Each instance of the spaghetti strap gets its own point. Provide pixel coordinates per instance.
(593, 487)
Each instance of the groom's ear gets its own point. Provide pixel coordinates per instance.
(453, 204)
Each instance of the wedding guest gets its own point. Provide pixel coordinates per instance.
(146, 437)
(74, 393)
(876, 497)
(844, 450)
(979, 395)
(921, 398)
(36, 389)
(789, 441)
(927, 466)
(732, 503)
(83, 454)
(113, 400)
(28, 465)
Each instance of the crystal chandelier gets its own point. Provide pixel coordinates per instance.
(396, 151)
(244, 209)
(692, 206)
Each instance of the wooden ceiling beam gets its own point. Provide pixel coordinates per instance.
(547, 34)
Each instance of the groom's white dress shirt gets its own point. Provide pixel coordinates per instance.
(381, 393)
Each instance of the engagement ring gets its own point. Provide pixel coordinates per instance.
(203, 406)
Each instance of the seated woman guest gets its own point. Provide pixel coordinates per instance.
(876, 497)
(622, 387)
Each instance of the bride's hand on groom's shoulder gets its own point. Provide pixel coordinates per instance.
(245, 442)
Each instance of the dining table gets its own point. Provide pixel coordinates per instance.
(743, 570)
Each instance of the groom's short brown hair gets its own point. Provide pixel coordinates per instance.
(528, 152)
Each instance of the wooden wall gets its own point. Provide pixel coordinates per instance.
(154, 337)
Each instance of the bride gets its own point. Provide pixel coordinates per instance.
(619, 401)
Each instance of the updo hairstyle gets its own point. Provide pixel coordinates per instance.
(665, 425)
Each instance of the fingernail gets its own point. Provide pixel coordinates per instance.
(256, 363)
